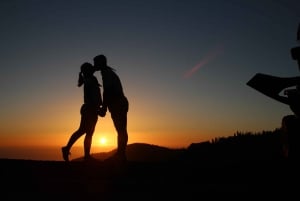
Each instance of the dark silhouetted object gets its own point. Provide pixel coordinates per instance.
(272, 86)
(116, 102)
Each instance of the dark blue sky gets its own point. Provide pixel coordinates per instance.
(152, 45)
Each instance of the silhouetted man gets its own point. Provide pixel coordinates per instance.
(116, 102)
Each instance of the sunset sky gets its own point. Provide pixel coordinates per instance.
(184, 66)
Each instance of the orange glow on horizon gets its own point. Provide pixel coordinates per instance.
(48, 146)
(104, 140)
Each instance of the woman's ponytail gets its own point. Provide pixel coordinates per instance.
(80, 80)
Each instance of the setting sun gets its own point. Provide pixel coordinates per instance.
(103, 141)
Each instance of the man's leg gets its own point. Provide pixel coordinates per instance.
(120, 122)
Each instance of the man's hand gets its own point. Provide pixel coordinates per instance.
(102, 112)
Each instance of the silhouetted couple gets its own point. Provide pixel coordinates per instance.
(113, 100)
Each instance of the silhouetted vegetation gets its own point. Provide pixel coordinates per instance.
(242, 145)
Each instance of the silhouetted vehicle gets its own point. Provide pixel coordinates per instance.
(272, 86)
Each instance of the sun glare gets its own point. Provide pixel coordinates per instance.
(103, 141)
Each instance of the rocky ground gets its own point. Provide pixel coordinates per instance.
(163, 180)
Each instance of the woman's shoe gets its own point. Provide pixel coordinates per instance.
(65, 153)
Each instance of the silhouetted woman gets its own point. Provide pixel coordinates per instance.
(88, 111)
(116, 102)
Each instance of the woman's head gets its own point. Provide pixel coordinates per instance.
(86, 69)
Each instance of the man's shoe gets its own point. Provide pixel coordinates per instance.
(117, 158)
(89, 158)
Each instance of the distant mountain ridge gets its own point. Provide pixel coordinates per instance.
(144, 152)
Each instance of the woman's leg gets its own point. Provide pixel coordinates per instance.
(74, 137)
(90, 128)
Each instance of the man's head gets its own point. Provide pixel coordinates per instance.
(100, 61)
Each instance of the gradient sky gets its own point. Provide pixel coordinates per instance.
(184, 66)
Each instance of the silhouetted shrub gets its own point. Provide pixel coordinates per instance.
(242, 145)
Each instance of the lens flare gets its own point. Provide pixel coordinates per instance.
(210, 56)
